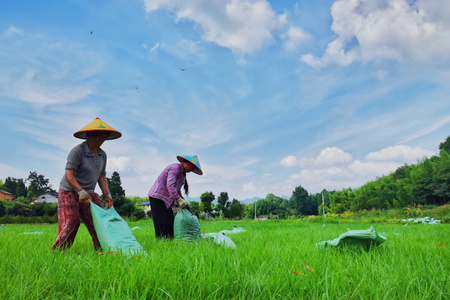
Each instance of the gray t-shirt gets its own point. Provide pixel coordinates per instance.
(88, 167)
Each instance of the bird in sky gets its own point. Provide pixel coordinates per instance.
(182, 70)
(92, 31)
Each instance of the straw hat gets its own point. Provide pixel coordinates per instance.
(193, 159)
(97, 125)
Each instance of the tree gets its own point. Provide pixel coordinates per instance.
(207, 198)
(195, 207)
(224, 204)
(302, 203)
(21, 190)
(445, 145)
(10, 185)
(123, 206)
(236, 209)
(38, 185)
(2, 209)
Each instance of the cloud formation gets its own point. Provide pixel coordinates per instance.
(335, 169)
(386, 29)
(243, 26)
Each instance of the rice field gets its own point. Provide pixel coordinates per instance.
(273, 260)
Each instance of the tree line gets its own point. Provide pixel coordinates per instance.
(424, 183)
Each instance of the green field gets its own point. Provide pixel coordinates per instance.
(269, 263)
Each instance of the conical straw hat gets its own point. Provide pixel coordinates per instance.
(194, 160)
(98, 125)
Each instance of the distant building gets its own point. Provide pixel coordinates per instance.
(6, 196)
(145, 206)
(47, 198)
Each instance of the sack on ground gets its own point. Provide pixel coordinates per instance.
(365, 238)
(186, 226)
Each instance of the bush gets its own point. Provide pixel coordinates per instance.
(138, 214)
(44, 209)
(2, 209)
(20, 209)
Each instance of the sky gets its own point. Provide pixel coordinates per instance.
(270, 95)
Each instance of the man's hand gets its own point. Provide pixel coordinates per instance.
(82, 195)
(109, 200)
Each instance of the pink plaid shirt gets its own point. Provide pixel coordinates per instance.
(168, 184)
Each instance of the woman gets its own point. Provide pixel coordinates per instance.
(165, 193)
(85, 167)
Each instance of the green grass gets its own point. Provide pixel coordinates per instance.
(411, 264)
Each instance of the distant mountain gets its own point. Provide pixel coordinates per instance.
(250, 200)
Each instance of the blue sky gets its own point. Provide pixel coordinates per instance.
(275, 94)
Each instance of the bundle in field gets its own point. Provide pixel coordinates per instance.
(220, 239)
(113, 232)
(186, 226)
(365, 238)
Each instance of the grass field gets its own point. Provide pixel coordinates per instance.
(269, 263)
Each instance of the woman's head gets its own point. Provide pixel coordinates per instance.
(190, 164)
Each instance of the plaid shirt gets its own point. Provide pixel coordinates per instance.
(168, 184)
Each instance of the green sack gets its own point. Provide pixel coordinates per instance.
(365, 238)
(221, 239)
(113, 232)
(186, 226)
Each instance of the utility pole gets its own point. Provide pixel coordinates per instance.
(255, 210)
(323, 207)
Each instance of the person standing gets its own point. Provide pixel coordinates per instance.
(165, 194)
(85, 167)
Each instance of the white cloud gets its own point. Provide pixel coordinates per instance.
(249, 187)
(372, 169)
(243, 26)
(401, 153)
(334, 169)
(8, 171)
(387, 29)
(319, 175)
(154, 47)
(118, 164)
(294, 37)
(328, 157)
(289, 162)
(14, 31)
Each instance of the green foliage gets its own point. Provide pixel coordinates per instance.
(236, 209)
(302, 203)
(124, 206)
(10, 185)
(38, 185)
(44, 209)
(224, 204)
(21, 190)
(2, 209)
(207, 198)
(445, 146)
(138, 214)
(20, 209)
(195, 207)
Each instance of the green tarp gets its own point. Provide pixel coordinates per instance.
(365, 238)
(424, 220)
(113, 232)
